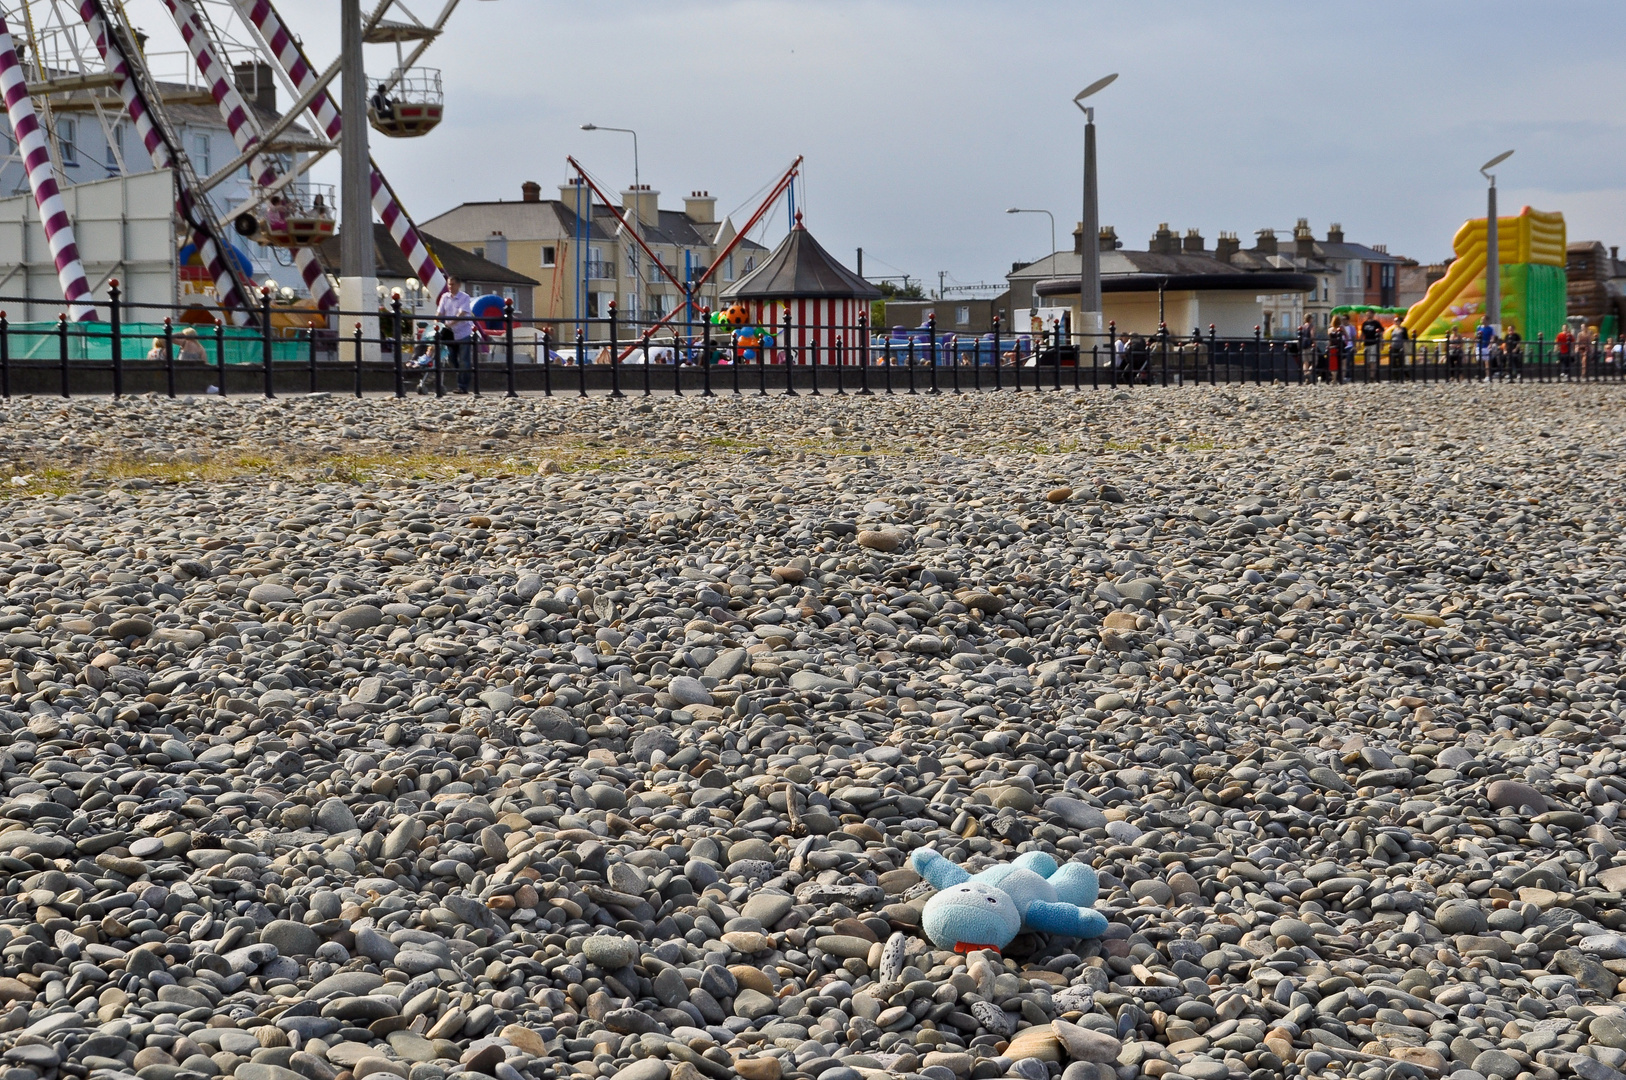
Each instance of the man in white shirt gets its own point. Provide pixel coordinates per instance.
(456, 315)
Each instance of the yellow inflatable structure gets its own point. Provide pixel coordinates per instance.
(1530, 250)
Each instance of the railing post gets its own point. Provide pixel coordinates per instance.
(1095, 366)
(911, 361)
(994, 344)
(358, 359)
(400, 346)
(1078, 358)
(931, 350)
(1112, 354)
(265, 341)
(116, 339)
(476, 339)
(954, 365)
(648, 389)
(220, 354)
(440, 375)
(1258, 359)
(762, 363)
(615, 355)
(705, 352)
(813, 363)
(1163, 352)
(311, 334)
(863, 354)
(1213, 340)
(1062, 341)
(508, 344)
(734, 361)
(62, 353)
(169, 353)
(547, 362)
(581, 359)
(790, 357)
(839, 351)
(5, 355)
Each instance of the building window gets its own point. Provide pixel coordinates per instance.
(479, 253)
(728, 268)
(549, 255)
(67, 132)
(200, 155)
(750, 263)
(115, 144)
(598, 304)
(962, 315)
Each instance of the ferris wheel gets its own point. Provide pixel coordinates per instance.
(83, 79)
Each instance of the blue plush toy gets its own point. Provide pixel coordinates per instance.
(988, 910)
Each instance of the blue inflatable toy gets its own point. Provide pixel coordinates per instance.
(488, 311)
(987, 910)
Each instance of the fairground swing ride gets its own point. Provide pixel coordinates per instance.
(82, 85)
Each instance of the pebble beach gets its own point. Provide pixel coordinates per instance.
(563, 739)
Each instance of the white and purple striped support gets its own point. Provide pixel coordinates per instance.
(245, 132)
(287, 53)
(36, 156)
(226, 289)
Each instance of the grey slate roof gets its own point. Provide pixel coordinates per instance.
(456, 261)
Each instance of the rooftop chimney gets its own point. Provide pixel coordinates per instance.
(254, 82)
(701, 207)
(1614, 251)
(643, 201)
(1303, 240)
(530, 191)
(1078, 239)
(497, 249)
(1226, 246)
(1381, 247)
(1193, 244)
(1164, 242)
(1108, 239)
(1335, 233)
(570, 189)
(1267, 242)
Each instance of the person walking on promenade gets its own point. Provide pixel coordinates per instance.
(1306, 336)
(1564, 345)
(1484, 338)
(1397, 351)
(1336, 342)
(1372, 338)
(1455, 350)
(1512, 353)
(456, 314)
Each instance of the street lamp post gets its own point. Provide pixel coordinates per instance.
(1046, 213)
(637, 186)
(1493, 252)
(1089, 276)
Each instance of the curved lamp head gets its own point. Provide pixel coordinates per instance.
(589, 127)
(1014, 210)
(1484, 170)
(1095, 87)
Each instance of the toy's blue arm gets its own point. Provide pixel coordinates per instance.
(1076, 884)
(1065, 919)
(939, 871)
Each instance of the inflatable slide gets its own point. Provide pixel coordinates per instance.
(1530, 249)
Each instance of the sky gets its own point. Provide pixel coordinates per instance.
(921, 122)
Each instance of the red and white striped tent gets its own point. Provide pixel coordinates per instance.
(824, 299)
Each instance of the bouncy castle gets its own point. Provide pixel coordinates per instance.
(1530, 250)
